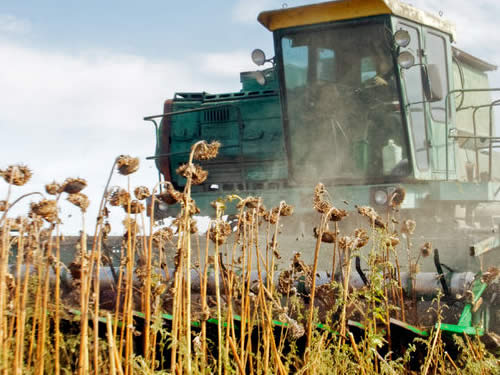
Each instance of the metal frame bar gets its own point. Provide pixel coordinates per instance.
(448, 105)
(241, 126)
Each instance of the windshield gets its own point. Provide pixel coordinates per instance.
(342, 102)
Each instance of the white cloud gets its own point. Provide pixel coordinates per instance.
(476, 21)
(71, 115)
(246, 11)
(10, 24)
(228, 64)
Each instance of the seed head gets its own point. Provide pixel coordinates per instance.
(337, 214)
(162, 236)
(170, 195)
(3, 206)
(79, 200)
(197, 173)
(46, 209)
(16, 174)
(327, 236)
(372, 215)
(397, 197)
(347, 242)
(119, 197)
(53, 188)
(219, 232)
(408, 226)
(73, 185)
(141, 192)
(392, 240)
(127, 164)
(323, 206)
(193, 228)
(282, 210)
(319, 203)
(490, 275)
(136, 207)
(285, 209)
(193, 208)
(426, 249)
(250, 202)
(206, 151)
(360, 238)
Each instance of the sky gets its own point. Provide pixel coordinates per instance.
(77, 77)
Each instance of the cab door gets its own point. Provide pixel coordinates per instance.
(414, 103)
(437, 53)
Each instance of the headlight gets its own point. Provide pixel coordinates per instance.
(406, 60)
(380, 197)
(402, 38)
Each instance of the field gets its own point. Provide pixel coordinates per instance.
(219, 304)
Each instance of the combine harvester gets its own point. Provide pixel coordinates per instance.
(366, 96)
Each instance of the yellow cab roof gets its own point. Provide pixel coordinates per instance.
(350, 9)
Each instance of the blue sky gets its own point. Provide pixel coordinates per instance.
(76, 77)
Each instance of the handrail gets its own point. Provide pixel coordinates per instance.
(448, 105)
(494, 103)
(240, 121)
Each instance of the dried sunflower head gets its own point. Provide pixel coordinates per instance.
(119, 197)
(372, 215)
(16, 174)
(193, 227)
(206, 151)
(53, 188)
(282, 210)
(127, 164)
(162, 236)
(360, 238)
(285, 209)
(392, 240)
(219, 232)
(73, 185)
(46, 209)
(327, 236)
(136, 207)
(426, 249)
(346, 242)
(319, 203)
(170, 195)
(3, 206)
(397, 197)
(79, 200)
(250, 202)
(490, 275)
(193, 208)
(197, 173)
(337, 214)
(271, 216)
(141, 192)
(408, 226)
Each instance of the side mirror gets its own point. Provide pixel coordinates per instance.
(431, 82)
(258, 57)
